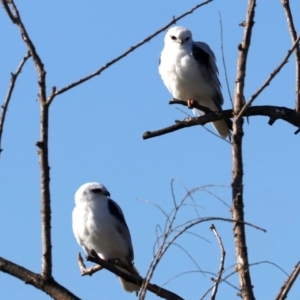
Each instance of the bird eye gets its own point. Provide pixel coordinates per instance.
(187, 38)
(97, 191)
(173, 37)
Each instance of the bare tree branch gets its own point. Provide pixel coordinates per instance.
(159, 291)
(13, 13)
(16, 19)
(293, 33)
(273, 112)
(45, 191)
(288, 284)
(221, 268)
(131, 49)
(237, 173)
(49, 286)
(172, 232)
(4, 107)
(267, 82)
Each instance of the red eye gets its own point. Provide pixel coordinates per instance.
(173, 37)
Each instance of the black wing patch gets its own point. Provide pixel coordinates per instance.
(202, 57)
(115, 211)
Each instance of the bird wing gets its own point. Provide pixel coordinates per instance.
(206, 61)
(122, 228)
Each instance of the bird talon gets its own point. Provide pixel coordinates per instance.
(190, 103)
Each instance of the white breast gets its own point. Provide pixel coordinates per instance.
(96, 229)
(182, 75)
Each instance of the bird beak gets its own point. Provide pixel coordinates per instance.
(107, 194)
(180, 42)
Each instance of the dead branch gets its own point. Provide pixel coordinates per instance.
(273, 112)
(293, 33)
(159, 291)
(4, 107)
(237, 172)
(48, 285)
(14, 15)
(221, 268)
(131, 49)
(288, 284)
(270, 78)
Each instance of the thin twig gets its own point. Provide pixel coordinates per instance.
(159, 291)
(288, 284)
(223, 60)
(270, 78)
(202, 272)
(131, 49)
(172, 232)
(4, 107)
(293, 33)
(221, 268)
(224, 279)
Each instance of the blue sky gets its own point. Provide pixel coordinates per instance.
(96, 135)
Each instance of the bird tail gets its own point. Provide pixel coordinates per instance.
(129, 286)
(221, 126)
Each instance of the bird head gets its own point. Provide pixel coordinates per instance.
(179, 36)
(89, 191)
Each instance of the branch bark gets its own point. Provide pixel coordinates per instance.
(273, 112)
(49, 286)
(237, 172)
(288, 284)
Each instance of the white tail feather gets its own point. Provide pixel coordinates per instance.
(128, 286)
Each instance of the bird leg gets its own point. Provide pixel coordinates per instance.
(190, 103)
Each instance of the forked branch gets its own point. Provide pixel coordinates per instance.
(131, 49)
(49, 286)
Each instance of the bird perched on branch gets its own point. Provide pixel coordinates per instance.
(189, 71)
(99, 224)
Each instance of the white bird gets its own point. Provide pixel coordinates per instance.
(189, 71)
(99, 224)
